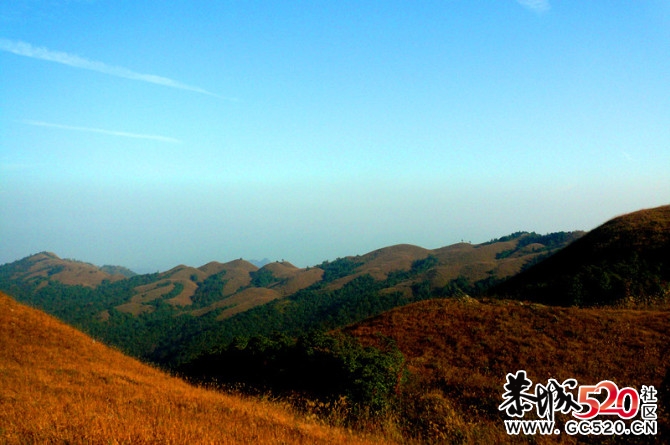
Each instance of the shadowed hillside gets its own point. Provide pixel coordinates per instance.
(625, 261)
(460, 350)
(59, 386)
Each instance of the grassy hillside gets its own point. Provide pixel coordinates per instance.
(466, 262)
(38, 269)
(625, 261)
(59, 386)
(215, 285)
(460, 350)
(177, 314)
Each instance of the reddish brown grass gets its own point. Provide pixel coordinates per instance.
(461, 350)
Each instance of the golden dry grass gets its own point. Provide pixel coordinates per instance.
(297, 280)
(239, 265)
(645, 227)
(476, 262)
(151, 292)
(380, 262)
(59, 386)
(282, 269)
(183, 272)
(237, 275)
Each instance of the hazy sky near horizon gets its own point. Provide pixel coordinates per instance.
(149, 134)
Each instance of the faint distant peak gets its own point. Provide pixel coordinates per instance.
(260, 263)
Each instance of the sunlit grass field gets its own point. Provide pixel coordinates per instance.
(59, 386)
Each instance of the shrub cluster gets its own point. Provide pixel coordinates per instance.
(321, 366)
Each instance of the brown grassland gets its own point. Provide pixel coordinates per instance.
(67, 271)
(237, 296)
(460, 350)
(292, 278)
(58, 385)
(473, 261)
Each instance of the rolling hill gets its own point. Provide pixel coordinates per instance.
(233, 287)
(173, 315)
(606, 316)
(625, 261)
(58, 385)
(45, 266)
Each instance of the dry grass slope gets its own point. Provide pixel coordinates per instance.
(461, 350)
(236, 276)
(472, 261)
(59, 386)
(49, 265)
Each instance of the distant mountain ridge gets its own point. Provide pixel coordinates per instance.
(179, 285)
(118, 270)
(151, 315)
(171, 316)
(614, 280)
(457, 348)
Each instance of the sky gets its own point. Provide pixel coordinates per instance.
(150, 134)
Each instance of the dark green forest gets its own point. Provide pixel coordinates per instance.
(317, 365)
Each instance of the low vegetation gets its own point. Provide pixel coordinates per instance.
(60, 386)
(325, 368)
(459, 351)
(174, 316)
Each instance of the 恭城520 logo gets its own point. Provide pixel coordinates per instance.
(605, 398)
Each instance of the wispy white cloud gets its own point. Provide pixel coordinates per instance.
(535, 5)
(124, 134)
(41, 53)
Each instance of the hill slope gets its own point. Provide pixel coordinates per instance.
(460, 350)
(59, 386)
(215, 285)
(45, 266)
(161, 316)
(624, 261)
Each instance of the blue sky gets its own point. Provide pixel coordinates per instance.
(150, 134)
